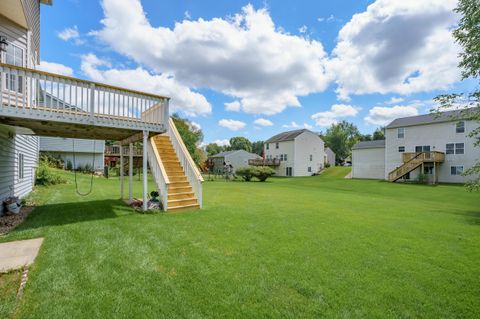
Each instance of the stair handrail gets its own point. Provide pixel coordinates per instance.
(191, 170)
(404, 165)
(159, 172)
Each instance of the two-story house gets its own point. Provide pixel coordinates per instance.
(297, 153)
(437, 146)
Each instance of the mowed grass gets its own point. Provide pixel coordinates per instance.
(309, 247)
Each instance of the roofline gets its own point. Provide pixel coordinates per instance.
(439, 120)
(367, 147)
(47, 2)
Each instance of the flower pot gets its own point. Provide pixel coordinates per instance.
(13, 208)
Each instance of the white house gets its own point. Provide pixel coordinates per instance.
(236, 158)
(436, 145)
(330, 156)
(299, 153)
(86, 152)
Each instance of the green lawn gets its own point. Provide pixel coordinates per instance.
(288, 248)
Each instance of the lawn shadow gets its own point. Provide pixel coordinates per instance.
(72, 213)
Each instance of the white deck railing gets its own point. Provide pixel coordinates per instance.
(34, 94)
(159, 173)
(189, 167)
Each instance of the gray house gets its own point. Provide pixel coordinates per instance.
(237, 158)
(329, 156)
(87, 152)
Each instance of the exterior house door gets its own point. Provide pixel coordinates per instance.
(289, 171)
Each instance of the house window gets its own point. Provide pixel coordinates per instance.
(401, 132)
(288, 171)
(456, 170)
(460, 127)
(281, 157)
(268, 146)
(428, 170)
(450, 149)
(311, 157)
(284, 157)
(309, 169)
(21, 166)
(14, 56)
(424, 148)
(459, 148)
(276, 145)
(401, 149)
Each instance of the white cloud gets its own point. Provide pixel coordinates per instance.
(195, 125)
(233, 106)
(187, 15)
(222, 142)
(380, 115)
(232, 125)
(69, 33)
(397, 47)
(182, 98)
(263, 122)
(337, 111)
(245, 56)
(303, 29)
(294, 125)
(56, 68)
(395, 100)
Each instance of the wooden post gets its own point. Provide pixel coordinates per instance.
(130, 173)
(121, 171)
(145, 177)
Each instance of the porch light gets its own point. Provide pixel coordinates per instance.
(3, 44)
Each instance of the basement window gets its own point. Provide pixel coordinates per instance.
(456, 170)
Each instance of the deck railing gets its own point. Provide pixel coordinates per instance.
(159, 173)
(34, 94)
(114, 150)
(433, 156)
(189, 167)
(264, 162)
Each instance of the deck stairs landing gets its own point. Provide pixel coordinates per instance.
(180, 193)
(411, 161)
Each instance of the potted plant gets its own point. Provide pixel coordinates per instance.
(12, 204)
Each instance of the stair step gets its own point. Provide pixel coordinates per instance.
(182, 195)
(181, 202)
(183, 208)
(179, 189)
(178, 179)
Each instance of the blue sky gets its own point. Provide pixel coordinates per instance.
(283, 64)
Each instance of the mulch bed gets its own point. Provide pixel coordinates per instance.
(9, 222)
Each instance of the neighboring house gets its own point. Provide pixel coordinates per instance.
(237, 158)
(369, 160)
(300, 153)
(87, 152)
(329, 156)
(435, 145)
(18, 153)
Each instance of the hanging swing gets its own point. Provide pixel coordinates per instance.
(75, 170)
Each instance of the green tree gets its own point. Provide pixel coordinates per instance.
(467, 34)
(240, 143)
(379, 134)
(191, 135)
(340, 138)
(214, 148)
(257, 147)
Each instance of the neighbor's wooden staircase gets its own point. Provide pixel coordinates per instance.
(413, 160)
(180, 193)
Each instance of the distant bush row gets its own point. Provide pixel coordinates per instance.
(259, 172)
(46, 175)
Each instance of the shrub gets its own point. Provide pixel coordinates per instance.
(422, 178)
(245, 172)
(69, 165)
(53, 160)
(263, 172)
(327, 165)
(45, 174)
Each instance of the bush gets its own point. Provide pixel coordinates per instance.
(263, 172)
(69, 165)
(45, 174)
(53, 160)
(422, 178)
(327, 165)
(245, 172)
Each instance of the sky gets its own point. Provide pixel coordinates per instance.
(257, 68)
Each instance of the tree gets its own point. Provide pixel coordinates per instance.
(257, 147)
(379, 134)
(191, 136)
(240, 143)
(214, 148)
(340, 138)
(468, 36)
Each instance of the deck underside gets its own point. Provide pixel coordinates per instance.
(73, 130)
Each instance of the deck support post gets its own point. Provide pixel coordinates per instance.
(121, 172)
(145, 177)
(434, 173)
(130, 173)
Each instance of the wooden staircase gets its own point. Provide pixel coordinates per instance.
(180, 193)
(412, 161)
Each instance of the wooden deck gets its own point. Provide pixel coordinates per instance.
(55, 105)
(411, 161)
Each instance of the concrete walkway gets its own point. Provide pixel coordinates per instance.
(20, 253)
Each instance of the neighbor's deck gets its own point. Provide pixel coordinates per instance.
(55, 105)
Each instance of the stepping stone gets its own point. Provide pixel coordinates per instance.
(18, 254)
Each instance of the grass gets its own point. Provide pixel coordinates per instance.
(9, 284)
(288, 248)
